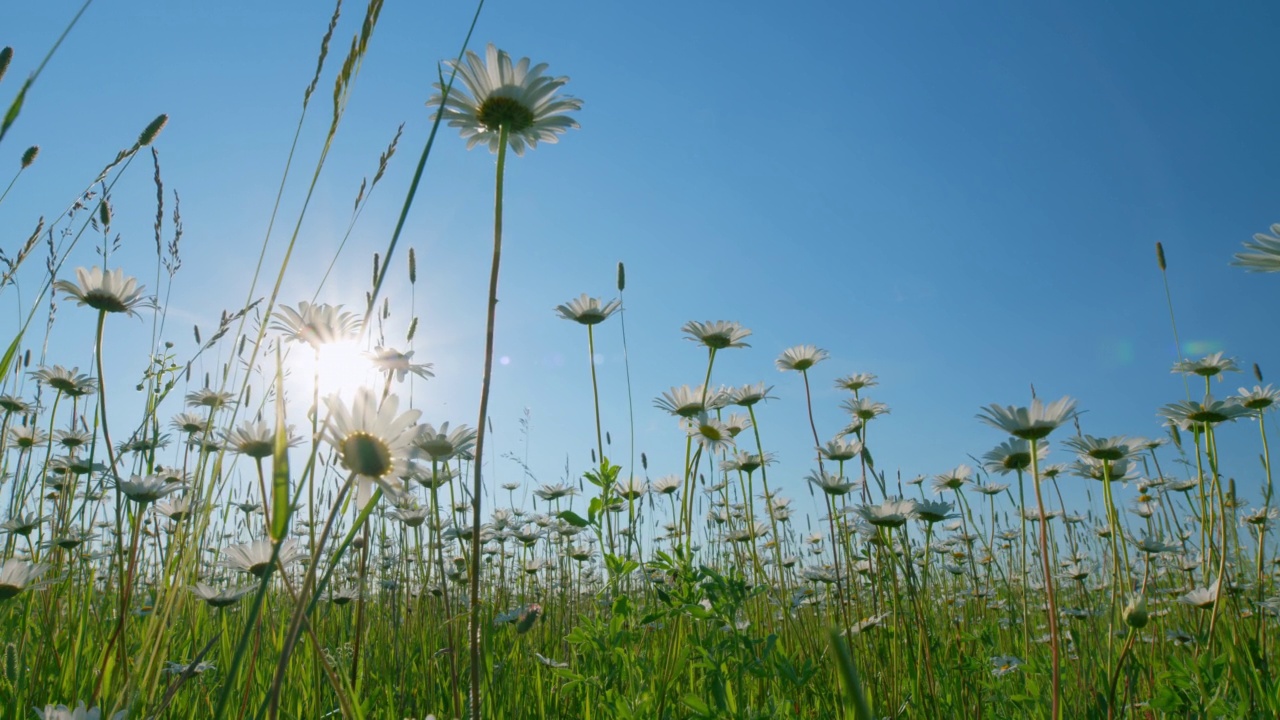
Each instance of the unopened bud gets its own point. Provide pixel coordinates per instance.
(1135, 611)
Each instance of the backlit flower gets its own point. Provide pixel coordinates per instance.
(373, 441)
(1031, 423)
(498, 93)
(1207, 366)
(108, 292)
(316, 325)
(1266, 252)
(717, 335)
(16, 575)
(68, 382)
(257, 439)
(444, 444)
(800, 358)
(255, 557)
(395, 363)
(225, 597)
(587, 310)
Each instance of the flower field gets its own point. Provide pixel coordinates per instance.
(259, 522)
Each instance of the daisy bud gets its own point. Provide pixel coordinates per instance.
(151, 131)
(29, 156)
(1135, 611)
(1160, 256)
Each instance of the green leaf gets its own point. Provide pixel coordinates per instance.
(697, 704)
(10, 354)
(572, 518)
(280, 462)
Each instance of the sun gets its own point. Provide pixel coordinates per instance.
(341, 367)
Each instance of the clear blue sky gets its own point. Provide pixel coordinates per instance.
(961, 198)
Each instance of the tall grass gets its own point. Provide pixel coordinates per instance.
(664, 593)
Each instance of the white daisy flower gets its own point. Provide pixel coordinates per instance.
(498, 93)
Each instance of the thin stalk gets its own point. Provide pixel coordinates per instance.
(474, 578)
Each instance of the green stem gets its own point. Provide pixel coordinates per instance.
(474, 579)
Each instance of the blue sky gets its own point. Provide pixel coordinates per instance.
(960, 198)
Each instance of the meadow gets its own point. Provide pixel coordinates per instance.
(284, 537)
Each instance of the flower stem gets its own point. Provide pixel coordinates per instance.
(481, 425)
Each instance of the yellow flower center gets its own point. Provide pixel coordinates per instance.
(366, 455)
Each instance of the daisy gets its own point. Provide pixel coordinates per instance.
(1153, 545)
(555, 492)
(857, 382)
(442, 445)
(176, 509)
(316, 325)
(68, 382)
(840, 450)
(743, 461)
(1012, 456)
(666, 485)
(28, 437)
(748, 395)
(189, 422)
(1202, 598)
(892, 513)
(22, 525)
(214, 399)
(72, 439)
(257, 439)
(502, 95)
(225, 597)
(1266, 255)
(587, 310)
(147, 489)
(1002, 665)
(1110, 449)
(632, 488)
(62, 712)
(687, 402)
(411, 517)
(15, 404)
(711, 434)
(828, 483)
(1032, 423)
(107, 292)
(1207, 366)
(864, 410)
(395, 363)
(255, 557)
(16, 575)
(952, 479)
(1188, 413)
(933, 511)
(717, 335)
(800, 358)
(372, 442)
(1259, 398)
